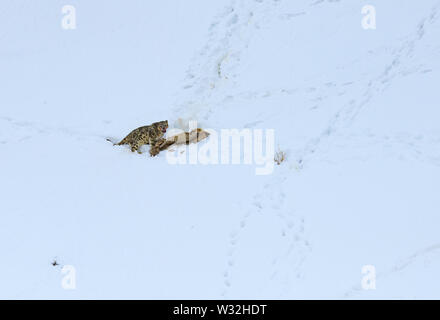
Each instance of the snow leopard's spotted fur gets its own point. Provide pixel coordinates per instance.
(152, 135)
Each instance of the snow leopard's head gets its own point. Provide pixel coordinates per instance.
(161, 126)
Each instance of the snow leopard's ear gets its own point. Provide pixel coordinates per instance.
(161, 123)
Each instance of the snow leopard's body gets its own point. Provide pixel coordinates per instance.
(152, 135)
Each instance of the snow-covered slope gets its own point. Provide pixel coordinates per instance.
(355, 110)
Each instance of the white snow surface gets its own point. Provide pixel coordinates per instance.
(356, 111)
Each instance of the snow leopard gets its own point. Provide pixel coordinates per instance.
(152, 135)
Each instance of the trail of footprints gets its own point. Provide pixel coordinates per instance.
(420, 256)
(347, 114)
(286, 266)
(216, 63)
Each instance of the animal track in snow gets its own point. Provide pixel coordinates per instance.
(286, 266)
(347, 114)
(398, 267)
(216, 63)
